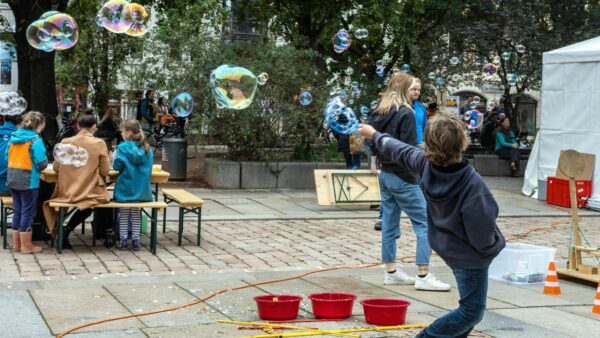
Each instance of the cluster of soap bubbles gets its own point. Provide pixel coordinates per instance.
(233, 87)
(183, 105)
(12, 103)
(339, 117)
(341, 41)
(122, 16)
(52, 31)
(70, 154)
(473, 118)
(305, 98)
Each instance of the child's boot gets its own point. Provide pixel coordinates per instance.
(16, 241)
(135, 244)
(27, 246)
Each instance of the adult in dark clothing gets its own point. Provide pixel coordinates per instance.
(507, 146)
(462, 215)
(352, 160)
(399, 188)
(107, 129)
(487, 139)
(148, 111)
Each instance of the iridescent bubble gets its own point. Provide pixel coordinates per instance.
(341, 41)
(506, 56)
(11, 103)
(70, 154)
(439, 80)
(351, 101)
(137, 17)
(374, 104)
(512, 79)
(405, 68)
(431, 76)
(233, 87)
(380, 72)
(354, 84)
(183, 105)
(496, 59)
(454, 60)
(364, 109)
(340, 118)
(361, 33)
(112, 16)
(305, 98)
(476, 99)
(379, 63)
(37, 36)
(520, 49)
(395, 70)
(455, 77)
(342, 94)
(473, 105)
(53, 31)
(262, 78)
(474, 118)
(489, 70)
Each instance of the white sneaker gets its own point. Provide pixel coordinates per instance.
(431, 283)
(398, 277)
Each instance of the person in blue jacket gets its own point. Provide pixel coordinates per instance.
(6, 131)
(419, 108)
(507, 146)
(133, 161)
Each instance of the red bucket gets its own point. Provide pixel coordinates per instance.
(332, 305)
(278, 307)
(385, 311)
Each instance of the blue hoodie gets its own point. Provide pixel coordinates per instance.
(21, 175)
(135, 170)
(6, 130)
(420, 119)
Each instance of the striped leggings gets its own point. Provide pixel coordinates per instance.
(127, 217)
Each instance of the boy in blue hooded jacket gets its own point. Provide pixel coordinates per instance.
(133, 160)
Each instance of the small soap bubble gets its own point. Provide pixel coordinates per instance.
(405, 68)
(341, 41)
(374, 104)
(361, 33)
(496, 59)
(454, 60)
(477, 99)
(305, 98)
(183, 105)
(431, 76)
(262, 78)
(380, 72)
(439, 80)
(520, 49)
(379, 63)
(489, 70)
(506, 56)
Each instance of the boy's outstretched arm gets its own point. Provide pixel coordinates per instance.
(404, 154)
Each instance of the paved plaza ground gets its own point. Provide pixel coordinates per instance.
(251, 236)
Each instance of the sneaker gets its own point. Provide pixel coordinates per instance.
(135, 244)
(123, 244)
(398, 277)
(431, 283)
(377, 226)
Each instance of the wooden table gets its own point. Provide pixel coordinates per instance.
(50, 176)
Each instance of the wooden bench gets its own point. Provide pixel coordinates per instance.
(188, 203)
(66, 209)
(6, 209)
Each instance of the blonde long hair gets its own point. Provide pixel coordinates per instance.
(396, 95)
(136, 133)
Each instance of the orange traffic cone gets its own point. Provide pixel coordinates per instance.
(551, 287)
(596, 306)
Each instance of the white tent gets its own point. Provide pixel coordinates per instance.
(570, 116)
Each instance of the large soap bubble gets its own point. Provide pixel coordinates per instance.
(12, 103)
(137, 17)
(52, 31)
(233, 87)
(70, 154)
(183, 105)
(341, 41)
(305, 98)
(121, 16)
(340, 118)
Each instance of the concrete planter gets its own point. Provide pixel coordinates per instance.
(219, 173)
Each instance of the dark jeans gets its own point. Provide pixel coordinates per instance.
(24, 202)
(472, 287)
(78, 217)
(352, 161)
(510, 154)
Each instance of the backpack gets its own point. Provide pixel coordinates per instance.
(138, 112)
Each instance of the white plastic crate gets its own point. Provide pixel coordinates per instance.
(520, 263)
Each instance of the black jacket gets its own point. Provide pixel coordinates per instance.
(461, 211)
(401, 125)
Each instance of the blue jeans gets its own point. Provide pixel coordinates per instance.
(352, 161)
(472, 287)
(24, 202)
(398, 196)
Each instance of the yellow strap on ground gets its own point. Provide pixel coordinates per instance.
(291, 327)
(319, 333)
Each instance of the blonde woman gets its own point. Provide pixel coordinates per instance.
(399, 188)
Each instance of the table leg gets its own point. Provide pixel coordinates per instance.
(199, 225)
(156, 192)
(165, 216)
(4, 218)
(180, 232)
(153, 232)
(61, 219)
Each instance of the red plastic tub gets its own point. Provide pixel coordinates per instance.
(278, 307)
(385, 311)
(332, 305)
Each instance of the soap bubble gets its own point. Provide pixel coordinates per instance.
(137, 17)
(379, 63)
(431, 76)
(439, 80)
(351, 101)
(454, 60)
(395, 70)
(305, 98)
(496, 59)
(11, 103)
(52, 31)
(262, 78)
(112, 16)
(520, 49)
(70, 154)
(506, 56)
(183, 105)
(489, 70)
(512, 79)
(473, 105)
(341, 41)
(354, 84)
(374, 104)
(361, 33)
(455, 77)
(380, 72)
(405, 68)
(340, 118)
(474, 118)
(233, 87)
(364, 109)
(476, 99)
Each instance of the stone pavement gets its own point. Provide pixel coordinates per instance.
(47, 293)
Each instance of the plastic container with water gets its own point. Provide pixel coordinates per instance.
(520, 263)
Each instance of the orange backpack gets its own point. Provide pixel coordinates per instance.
(19, 155)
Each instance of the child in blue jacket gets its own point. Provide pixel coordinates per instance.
(26, 156)
(133, 160)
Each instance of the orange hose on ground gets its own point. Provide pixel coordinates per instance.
(111, 319)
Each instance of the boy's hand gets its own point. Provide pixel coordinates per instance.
(366, 131)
